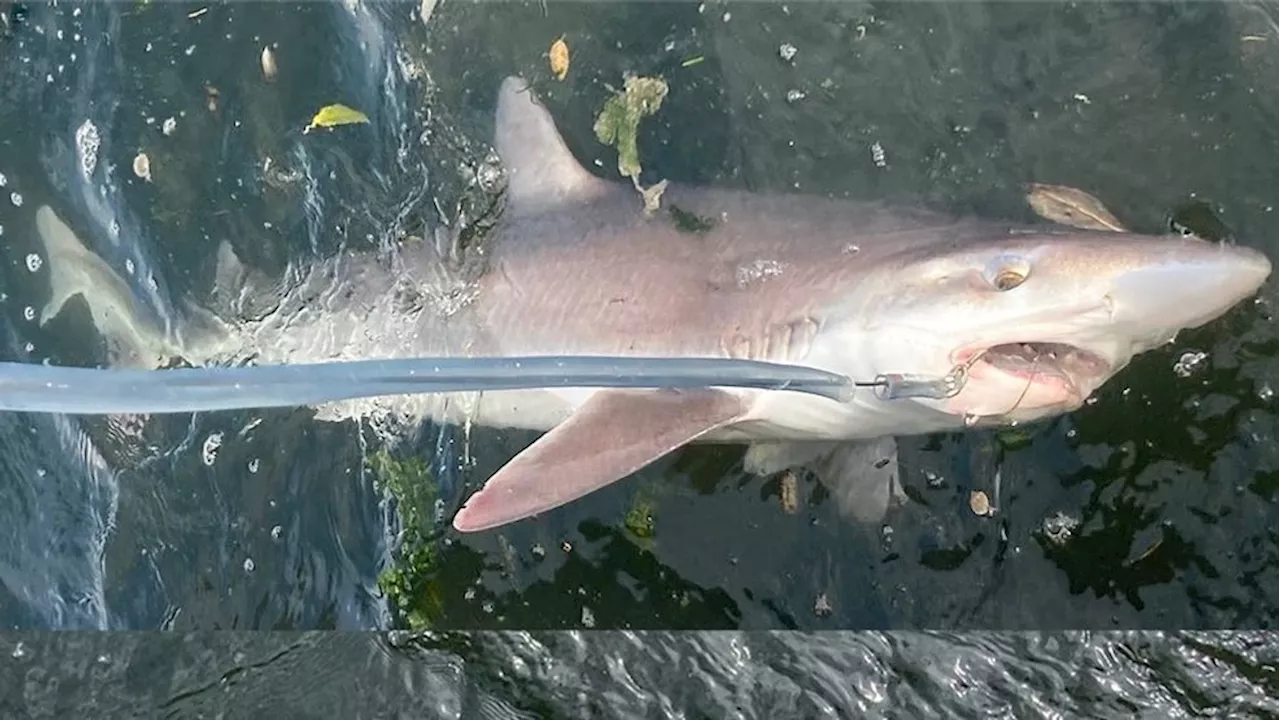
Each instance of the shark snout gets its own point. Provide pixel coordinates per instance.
(1188, 286)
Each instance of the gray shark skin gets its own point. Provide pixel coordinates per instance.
(1042, 315)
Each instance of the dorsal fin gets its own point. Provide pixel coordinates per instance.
(541, 172)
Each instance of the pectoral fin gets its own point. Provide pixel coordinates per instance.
(861, 476)
(768, 457)
(613, 435)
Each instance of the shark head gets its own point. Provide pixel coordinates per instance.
(1040, 320)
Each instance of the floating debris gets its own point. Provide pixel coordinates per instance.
(619, 121)
(652, 195)
(690, 62)
(142, 166)
(197, 13)
(821, 605)
(980, 504)
(1072, 207)
(877, 154)
(558, 56)
(787, 52)
(87, 144)
(789, 493)
(618, 125)
(268, 63)
(1188, 364)
(209, 451)
(331, 116)
(211, 96)
(639, 519)
(1059, 528)
(169, 126)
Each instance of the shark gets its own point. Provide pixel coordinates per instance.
(1033, 318)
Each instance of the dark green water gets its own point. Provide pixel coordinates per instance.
(1166, 486)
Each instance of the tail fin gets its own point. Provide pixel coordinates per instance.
(132, 337)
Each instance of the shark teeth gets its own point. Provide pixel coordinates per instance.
(1056, 358)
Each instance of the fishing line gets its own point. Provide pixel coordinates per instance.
(28, 387)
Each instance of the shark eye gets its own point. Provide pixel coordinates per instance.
(1007, 273)
(1008, 280)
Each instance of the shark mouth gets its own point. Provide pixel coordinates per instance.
(1071, 366)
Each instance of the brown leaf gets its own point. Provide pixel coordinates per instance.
(558, 55)
(980, 504)
(1069, 206)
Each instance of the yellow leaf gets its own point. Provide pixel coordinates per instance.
(333, 115)
(558, 55)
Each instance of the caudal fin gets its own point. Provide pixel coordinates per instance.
(133, 339)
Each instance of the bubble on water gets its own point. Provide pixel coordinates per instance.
(794, 96)
(276, 532)
(16, 199)
(209, 452)
(757, 270)
(41, 472)
(128, 265)
(1188, 364)
(248, 565)
(87, 144)
(29, 347)
(170, 124)
(877, 154)
(19, 651)
(34, 262)
(29, 313)
(1266, 393)
(3, 180)
(1059, 528)
(787, 51)
(253, 465)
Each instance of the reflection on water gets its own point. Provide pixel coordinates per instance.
(646, 675)
(1154, 507)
